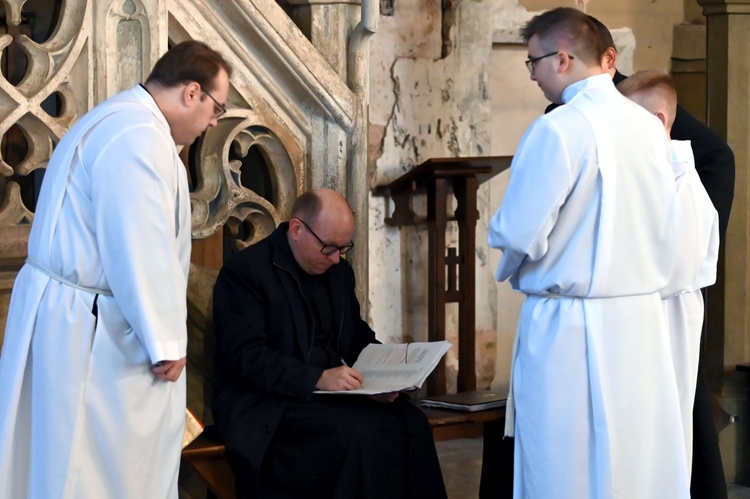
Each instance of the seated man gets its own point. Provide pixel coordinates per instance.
(287, 323)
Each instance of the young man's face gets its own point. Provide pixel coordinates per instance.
(206, 105)
(546, 69)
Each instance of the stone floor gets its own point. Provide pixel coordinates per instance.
(461, 462)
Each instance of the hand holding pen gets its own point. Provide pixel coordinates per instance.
(340, 378)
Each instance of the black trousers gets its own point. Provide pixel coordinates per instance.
(707, 481)
(343, 446)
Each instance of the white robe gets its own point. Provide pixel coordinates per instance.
(587, 232)
(81, 414)
(695, 268)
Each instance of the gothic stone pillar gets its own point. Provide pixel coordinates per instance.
(729, 115)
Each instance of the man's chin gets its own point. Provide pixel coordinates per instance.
(323, 269)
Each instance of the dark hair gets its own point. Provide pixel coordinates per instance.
(307, 207)
(604, 34)
(189, 61)
(570, 28)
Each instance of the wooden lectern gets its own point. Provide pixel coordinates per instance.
(451, 270)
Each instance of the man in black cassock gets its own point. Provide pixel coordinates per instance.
(287, 323)
(714, 162)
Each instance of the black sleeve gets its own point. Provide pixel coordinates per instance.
(714, 162)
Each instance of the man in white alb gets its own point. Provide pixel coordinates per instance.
(92, 382)
(698, 237)
(587, 233)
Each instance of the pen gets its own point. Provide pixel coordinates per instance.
(343, 362)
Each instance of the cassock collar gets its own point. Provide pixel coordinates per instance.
(596, 81)
(144, 96)
(282, 254)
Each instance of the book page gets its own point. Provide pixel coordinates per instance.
(397, 366)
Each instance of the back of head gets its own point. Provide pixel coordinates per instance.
(189, 61)
(569, 29)
(654, 90)
(604, 34)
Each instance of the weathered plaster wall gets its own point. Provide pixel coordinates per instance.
(422, 105)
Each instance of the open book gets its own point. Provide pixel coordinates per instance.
(395, 367)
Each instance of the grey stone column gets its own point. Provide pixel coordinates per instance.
(339, 30)
(728, 113)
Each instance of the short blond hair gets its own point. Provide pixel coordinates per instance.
(656, 91)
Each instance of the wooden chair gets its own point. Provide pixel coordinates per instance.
(207, 457)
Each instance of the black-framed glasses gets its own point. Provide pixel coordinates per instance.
(531, 61)
(328, 249)
(219, 110)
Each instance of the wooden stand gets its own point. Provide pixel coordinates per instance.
(451, 270)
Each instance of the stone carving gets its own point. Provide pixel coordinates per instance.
(225, 167)
(60, 84)
(52, 74)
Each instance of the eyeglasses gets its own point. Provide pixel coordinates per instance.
(219, 110)
(531, 61)
(328, 249)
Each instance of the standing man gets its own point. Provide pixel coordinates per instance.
(714, 162)
(698, 245)
(587, 233)
(92, 384)
(287, 324)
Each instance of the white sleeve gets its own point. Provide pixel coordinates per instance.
(134, 186)
(540, 180)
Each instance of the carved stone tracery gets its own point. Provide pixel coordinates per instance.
(100, 48)
(41, 106)
(227, 198)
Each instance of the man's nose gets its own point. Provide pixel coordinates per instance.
(335, 257)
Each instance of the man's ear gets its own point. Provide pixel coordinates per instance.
(565, 60)
(294, 228)
(191, 92)
(609, 59)
(662, 117)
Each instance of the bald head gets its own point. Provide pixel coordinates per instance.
(321, 219)
(326, 203)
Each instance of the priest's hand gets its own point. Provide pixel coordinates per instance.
(169, 370)
(339, 379)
